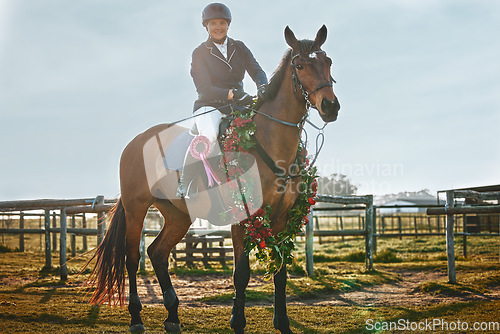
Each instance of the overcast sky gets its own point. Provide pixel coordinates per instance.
(418, 81)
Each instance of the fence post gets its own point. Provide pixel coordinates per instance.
(342, 227)
(369, 233)
(21, 235)
(54, 234)
(62, 245)
(84, 238)
(316, 220)
(40, 227)
(309, 245)
(73, 236)
(374, 230)
(48, 255)
(450, 243)
(400, 227)
(101, 222)
(464, 240)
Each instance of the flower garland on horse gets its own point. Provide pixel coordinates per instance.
(272, 251)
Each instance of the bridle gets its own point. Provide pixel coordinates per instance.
(297, 83)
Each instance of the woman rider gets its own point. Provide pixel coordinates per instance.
(218, 66)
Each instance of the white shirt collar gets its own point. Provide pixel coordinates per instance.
(222, 47)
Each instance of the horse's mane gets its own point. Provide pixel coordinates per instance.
(304, 47)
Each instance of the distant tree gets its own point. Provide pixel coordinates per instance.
(336, 185)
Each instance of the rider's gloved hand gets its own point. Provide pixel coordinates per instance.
(241, 98)
(261, 91)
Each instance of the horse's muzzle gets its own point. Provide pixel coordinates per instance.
(329, 109)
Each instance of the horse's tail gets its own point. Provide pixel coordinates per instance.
(108, 274)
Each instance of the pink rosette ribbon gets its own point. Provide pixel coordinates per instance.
(202, 155)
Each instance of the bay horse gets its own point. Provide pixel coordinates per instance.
(302, 80)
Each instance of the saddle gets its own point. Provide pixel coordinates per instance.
(175, 153)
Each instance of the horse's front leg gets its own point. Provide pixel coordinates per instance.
(241, 276)
(280, 320)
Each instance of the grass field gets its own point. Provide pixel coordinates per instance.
(33, 300)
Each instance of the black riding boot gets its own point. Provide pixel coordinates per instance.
(190, 173)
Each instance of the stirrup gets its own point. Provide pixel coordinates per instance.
(183, 190)
(180, 193)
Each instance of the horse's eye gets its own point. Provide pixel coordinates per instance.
(299, 67)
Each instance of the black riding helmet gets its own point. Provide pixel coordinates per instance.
(215, 11)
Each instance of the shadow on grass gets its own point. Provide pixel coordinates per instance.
(91, 319)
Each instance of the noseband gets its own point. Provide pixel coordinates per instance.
(297, 82)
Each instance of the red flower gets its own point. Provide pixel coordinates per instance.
(257, 224)
(311, 201)
(314, 186)
(262, 244)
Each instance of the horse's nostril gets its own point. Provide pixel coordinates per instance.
(326, 105)
(329, 110)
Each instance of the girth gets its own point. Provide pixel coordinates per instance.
(280, 174)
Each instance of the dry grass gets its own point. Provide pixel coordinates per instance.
(36, 301)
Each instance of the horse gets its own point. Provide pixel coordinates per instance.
(302, 80)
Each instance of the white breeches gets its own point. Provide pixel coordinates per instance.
(208, 124)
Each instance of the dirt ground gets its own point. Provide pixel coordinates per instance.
(399, 293)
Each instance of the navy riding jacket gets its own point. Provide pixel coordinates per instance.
(214, 75)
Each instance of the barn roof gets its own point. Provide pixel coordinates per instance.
(490, 188)
(415, 198)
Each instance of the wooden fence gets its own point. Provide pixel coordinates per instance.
(366, 231)
(450, 210)
(71, 206)
(367, 225)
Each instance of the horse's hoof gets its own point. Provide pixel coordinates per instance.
(172, 327)
(137, 328)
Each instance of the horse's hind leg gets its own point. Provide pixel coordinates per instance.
(176, 226)
(135, 213)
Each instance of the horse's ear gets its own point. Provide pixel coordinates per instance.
(320, 37)
(290, 38)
